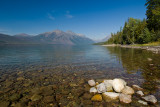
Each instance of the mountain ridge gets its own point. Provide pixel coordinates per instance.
(53, 37)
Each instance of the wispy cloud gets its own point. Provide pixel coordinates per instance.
(68, 15)
(50, 16)
(3, 30)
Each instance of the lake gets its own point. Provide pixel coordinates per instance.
(57, 75)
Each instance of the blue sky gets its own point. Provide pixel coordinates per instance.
(94, 18)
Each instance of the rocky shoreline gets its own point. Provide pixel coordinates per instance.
(59, 87)
(116, 90)
(155, 49)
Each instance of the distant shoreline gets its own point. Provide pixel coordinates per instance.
(155, 49)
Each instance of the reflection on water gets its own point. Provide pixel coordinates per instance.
(28, 69)
(48, 53)
(136, 61)
(22, 57)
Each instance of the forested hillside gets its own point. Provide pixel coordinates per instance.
(136, 31)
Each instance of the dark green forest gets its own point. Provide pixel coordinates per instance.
(136, 31)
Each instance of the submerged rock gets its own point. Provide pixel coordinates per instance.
(150, 98)
(91, 83)
(143, 102)
(36, 97)
(128, 90)
(20, 78)
(124, 98)
(118, 84)
(108, 84)
(73, 84)
(97, 83)
(101, 88)
(140, 93)
(93, 90)
(109, 96)
(136, 87)
(149, 59)
(151, 64)
(97, 97)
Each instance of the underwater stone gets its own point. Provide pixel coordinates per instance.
(97, 97)
(109, 96)
(140, 93)
(136, 87)
(101, 88)
(108, 84)
(91, 83)
(143, 102)
(93, 90)
(36, 97)
(118, 84)
(128, 90)
(150, 98)
(124, 98)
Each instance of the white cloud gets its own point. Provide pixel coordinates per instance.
(50, 16)
(68, 15)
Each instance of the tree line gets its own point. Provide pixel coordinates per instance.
(136, 31)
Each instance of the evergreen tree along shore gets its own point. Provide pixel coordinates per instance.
(136, 31)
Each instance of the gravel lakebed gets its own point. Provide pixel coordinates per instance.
(67, 86)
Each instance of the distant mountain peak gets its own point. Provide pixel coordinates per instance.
(76, 34)
(70, 32)
(58, 31)
(61, 37)
(81, 35)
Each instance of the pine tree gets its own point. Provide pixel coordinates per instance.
(153, 14)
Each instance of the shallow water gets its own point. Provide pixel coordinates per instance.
(60, 72)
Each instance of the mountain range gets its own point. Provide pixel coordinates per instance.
(54, 37)
(102, 40)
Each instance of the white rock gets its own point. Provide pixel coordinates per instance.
(108, 81)
(110, 95)
(149, 59)
(128, 90)
(109, 88)
(101, 88)
(151, 64)
(108, 84)
(93, 90)
(150, 98)
(124, 82)
(124, 98)
(140, 93)
(143, 102)
(136, 87)
(91, 83)
(118, 84)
